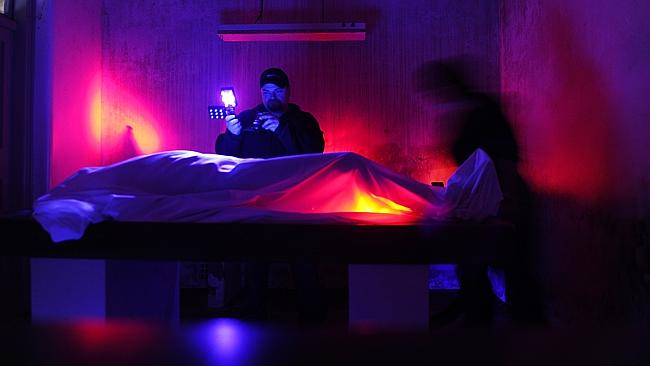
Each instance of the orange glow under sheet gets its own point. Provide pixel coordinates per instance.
(187, 186)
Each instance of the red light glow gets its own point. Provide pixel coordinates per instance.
(352, 190)
(114, 342)
(569, 113)
(96, 110)
(368, 202)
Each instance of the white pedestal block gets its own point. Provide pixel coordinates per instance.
(389, 296)
(74, 289)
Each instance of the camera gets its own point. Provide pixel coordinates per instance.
(229, 103)
(257, 122)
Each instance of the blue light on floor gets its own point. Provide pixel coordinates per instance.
(225, 341)
(443, 277)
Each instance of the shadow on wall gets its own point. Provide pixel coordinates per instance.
(130, 147)
(130, 127)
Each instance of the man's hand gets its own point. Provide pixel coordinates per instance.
(269, 122)
(233, 124)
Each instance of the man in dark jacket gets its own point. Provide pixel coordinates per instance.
(272, 129)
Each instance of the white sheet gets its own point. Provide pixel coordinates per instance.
(187, 186)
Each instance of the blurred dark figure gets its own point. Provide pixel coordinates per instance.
(483, 124)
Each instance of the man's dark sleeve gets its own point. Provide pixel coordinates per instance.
(302, 136)
(228, 144)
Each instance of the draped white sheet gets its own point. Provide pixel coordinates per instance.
(187, 186)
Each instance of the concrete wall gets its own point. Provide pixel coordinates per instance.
(163, 65)
(576, 76)
(131, 78)
(75, 70)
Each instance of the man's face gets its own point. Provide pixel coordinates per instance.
(275, 99)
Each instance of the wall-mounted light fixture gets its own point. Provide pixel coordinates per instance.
(292, 32)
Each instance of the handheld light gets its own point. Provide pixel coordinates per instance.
(229, 103)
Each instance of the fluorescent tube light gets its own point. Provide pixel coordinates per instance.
(292, 32)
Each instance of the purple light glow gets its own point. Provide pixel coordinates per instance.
(443, 277)
(226, 336)
(225, 341)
